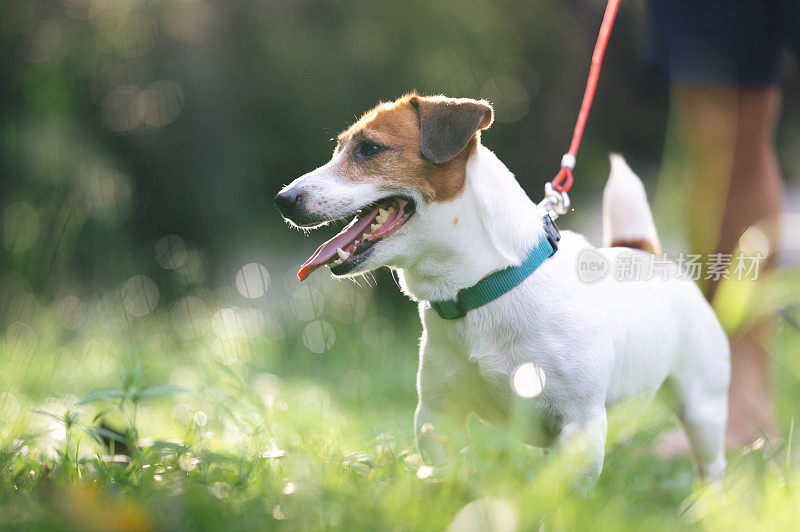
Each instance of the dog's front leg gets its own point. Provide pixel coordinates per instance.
(443, 402)
(431, 440)
(582, 441)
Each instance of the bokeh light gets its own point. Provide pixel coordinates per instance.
(127, 108)
(20, 306)
(319, 336)
(485, 515)
(20, 340)
(378, 332)
(231, 350)
(227, 323)
(121, 109)
(162, 102)
(350, 303)
(509, 96)
(308, 302)
(189, 317)
(188, 21)
(132, 36)
(356, 384)
(70, 312)
(107, 193)
(528, 380)
(170, 252)
(252, 280)
(139, 295)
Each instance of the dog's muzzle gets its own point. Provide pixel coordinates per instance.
(288, 202)
(292, 205)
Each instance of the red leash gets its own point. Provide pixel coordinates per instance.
(563, 181)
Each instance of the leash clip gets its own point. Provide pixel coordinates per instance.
(555, 203)
(552, 233)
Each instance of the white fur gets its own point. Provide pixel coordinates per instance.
(597, 343)
(330, 194)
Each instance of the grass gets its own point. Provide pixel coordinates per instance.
(293, 411)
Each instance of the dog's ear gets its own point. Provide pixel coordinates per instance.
(447, 125)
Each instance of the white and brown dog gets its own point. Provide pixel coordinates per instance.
(428, 200)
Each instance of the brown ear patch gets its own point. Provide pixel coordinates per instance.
(405, 165)
(447, 125)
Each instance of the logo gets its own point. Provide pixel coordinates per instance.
(592, 266)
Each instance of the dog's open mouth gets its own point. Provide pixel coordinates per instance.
(350, 247)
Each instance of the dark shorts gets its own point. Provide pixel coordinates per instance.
(723, 42)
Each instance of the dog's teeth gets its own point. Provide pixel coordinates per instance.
(375, 227)
(383, 214)
(391, 209)
(342, 254)
(336, 262)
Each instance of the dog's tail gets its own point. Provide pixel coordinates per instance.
(627, 220)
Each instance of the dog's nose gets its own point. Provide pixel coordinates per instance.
(287, 201)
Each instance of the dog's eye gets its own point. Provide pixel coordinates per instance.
(368, 148)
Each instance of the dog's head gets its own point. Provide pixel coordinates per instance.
(387, 172)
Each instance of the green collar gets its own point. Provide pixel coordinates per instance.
(498, 283)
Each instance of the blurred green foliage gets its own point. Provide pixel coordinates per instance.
(294, 412)
(124, 121)
(127, 120)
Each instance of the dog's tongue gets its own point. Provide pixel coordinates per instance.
(327, 251)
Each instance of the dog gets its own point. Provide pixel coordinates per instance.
(429, 201)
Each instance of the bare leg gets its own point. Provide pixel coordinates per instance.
(730, 138)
